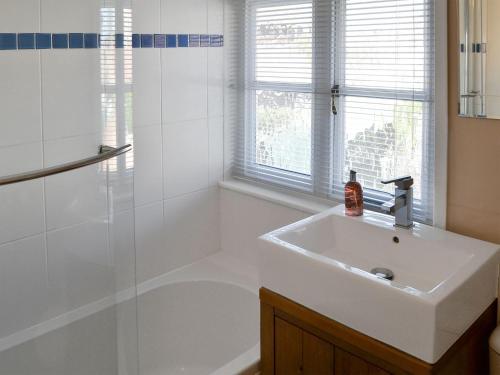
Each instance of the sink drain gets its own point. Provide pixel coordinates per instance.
(384, 273)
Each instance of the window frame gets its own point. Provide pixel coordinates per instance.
(252, 169)
(373, 198)
(280, 179)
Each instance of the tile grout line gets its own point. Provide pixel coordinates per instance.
(42, 123)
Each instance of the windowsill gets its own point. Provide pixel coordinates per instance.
(297, 201)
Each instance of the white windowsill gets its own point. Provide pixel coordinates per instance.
(293, 200)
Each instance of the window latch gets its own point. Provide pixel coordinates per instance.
(335, 95)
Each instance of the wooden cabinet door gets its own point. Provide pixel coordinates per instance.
(287, 348)
(317, 355)
(298, 352)
(348, 364)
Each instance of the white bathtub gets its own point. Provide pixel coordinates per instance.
(200, 319)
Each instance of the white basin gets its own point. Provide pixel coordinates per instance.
(442, 281)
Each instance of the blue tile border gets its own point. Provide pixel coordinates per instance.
(204, 40)
(59, 41)
(194, 40)
(90, 40)
(75, 40)
(171, 41)
(8, 41)
(27, 41)
(183, 40)
(160, 41)
(119, 41)
(136, 40)
(43, 41)
(146, 40)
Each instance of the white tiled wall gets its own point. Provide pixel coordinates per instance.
(244, 218)
(68, 240)
(64, 241)
(178, 125)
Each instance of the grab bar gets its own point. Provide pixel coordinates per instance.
(105, 153)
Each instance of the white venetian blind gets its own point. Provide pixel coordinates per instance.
(282, 59)
(287, 70)
(386, 116)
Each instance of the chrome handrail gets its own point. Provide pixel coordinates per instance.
(105, 153)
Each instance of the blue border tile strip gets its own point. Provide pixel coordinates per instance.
(30, 41)
(76, 40)
(90, 40)
(146, 40)
(160, 40)
(194, 40)
(136, 40)
(42, 41)
(26, 41)
(8, 41)
(59, 41)
(119, 41)
(182, 40)
(171, 41)
(204, 40)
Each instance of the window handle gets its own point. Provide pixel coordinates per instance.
(335, 95)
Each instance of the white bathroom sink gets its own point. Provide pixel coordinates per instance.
(442, 281)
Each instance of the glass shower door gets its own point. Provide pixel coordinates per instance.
(67, 291)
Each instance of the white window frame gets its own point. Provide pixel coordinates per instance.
(280, 178)
(253, 169)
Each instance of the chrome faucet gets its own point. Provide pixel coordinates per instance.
(402, 204)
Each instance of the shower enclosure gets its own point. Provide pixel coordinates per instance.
(67, 252)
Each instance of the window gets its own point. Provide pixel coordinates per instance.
(279, 92)
(379, 57)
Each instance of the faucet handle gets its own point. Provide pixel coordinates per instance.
(403, 183)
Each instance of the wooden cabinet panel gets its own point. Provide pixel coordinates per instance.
(317, 355)
(348, 364)
(298, 352)
(288, 348)
(297, 340)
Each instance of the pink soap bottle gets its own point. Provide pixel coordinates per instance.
(353, 197)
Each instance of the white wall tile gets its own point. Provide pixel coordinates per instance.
(215, 16)
(216, 150)
(19, 16)
(71, 92)
(215, 82)
(147, 101)
(20, 97)
(148, 165)
(185, 157)
(122, 249)
(79, 266)
(245, 218)
(71, 15)
(184, 84)
(149, 237)
(23, 285)
(186, 16)
(80, 195)
(120, 183)
(21, 205)
(191, 227)
(146, 16)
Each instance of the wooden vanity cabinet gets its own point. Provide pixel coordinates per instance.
(296, 340)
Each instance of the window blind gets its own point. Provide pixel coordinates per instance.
(287, 83)
(283, 60)
(385, 126)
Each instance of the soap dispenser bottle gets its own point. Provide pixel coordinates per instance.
(353, 197)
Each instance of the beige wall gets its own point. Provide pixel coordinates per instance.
(473, 160)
